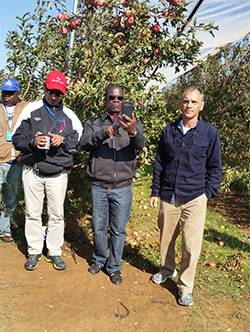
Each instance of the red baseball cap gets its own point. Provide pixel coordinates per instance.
(56, 80)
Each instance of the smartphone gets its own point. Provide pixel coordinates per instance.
(127, 108)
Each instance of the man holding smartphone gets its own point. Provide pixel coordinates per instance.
(112, 140)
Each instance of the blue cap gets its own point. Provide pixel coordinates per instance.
(10, 84)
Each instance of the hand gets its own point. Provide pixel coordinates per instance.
(153, 202)
(56, 139)
(40, 140)
(128, 124)
(110, 131)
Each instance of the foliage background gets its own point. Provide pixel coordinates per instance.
(108, 50)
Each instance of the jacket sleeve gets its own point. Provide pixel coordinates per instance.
(71, 142)
(138, 141)
(22, 138)
(213, 167)
(158, 167)
(92, 136)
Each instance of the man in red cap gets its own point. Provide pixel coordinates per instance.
(46, 134)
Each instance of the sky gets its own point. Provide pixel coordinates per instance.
(9, 10)
(232, 17)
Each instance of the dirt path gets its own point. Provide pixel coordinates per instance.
(74, 300)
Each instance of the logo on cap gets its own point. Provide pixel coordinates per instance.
(56, 80)
(10, 84)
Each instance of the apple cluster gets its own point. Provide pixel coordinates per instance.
(68, 23)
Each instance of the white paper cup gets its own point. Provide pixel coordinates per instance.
(47, 145)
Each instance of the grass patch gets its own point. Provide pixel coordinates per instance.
(224, 245)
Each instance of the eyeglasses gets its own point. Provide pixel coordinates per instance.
(115, 97)
(55, 92)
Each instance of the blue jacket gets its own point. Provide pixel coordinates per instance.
(187, 165)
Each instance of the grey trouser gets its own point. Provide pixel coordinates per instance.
(187, 219)
(35, 187)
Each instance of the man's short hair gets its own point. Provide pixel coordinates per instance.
(112, 86)
(194, 88)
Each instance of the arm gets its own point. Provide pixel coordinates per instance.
(22, 139)
(134, 130)
(93, 136)
(158, 168)
(213, 167)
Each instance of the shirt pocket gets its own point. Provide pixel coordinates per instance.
(199, 148)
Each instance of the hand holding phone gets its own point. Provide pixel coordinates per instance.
(127, 118)
(127, 108)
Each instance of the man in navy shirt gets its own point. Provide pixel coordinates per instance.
(187, 172)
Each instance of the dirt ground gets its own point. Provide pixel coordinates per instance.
(75, 300)
(47, 300)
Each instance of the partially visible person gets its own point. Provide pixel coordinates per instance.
(113, 140)
(46, 134)
(187, 172)
(10, 172)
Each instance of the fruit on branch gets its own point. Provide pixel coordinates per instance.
(145, 61)
(156, 28)
(62, 17)
(63, 31)
(156, 51)
(130, 21)
(165, 13)
(175, 2)
(100, 3)
(76, 22)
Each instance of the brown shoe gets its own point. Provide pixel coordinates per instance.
(7, 238)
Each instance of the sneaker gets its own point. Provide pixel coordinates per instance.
(94, 269)
(32, 262)
(185, 300)
(159, 278)
(57, 262)
(116, 278)
(7, 238)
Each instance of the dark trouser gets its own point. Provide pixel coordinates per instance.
(110, 214)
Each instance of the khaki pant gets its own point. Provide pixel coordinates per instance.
(35, 188)
(187, 219)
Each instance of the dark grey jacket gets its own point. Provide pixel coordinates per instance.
(112, 161)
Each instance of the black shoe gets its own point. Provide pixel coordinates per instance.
(94, 269)
(116, 278)
(32, 262)
(57, 262)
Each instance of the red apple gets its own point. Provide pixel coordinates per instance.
(121, 41)
(212, 264)
(63, 31)
(165, 13)
(62, 17)
(124, 3)
(100, 3)
(156, 51)
(156, 28)
(130, 20)
(175, 2)
(128, 13)
(74, 23)
(145, 61)
(117, 23)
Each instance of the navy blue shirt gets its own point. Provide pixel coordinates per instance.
(189, 165)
